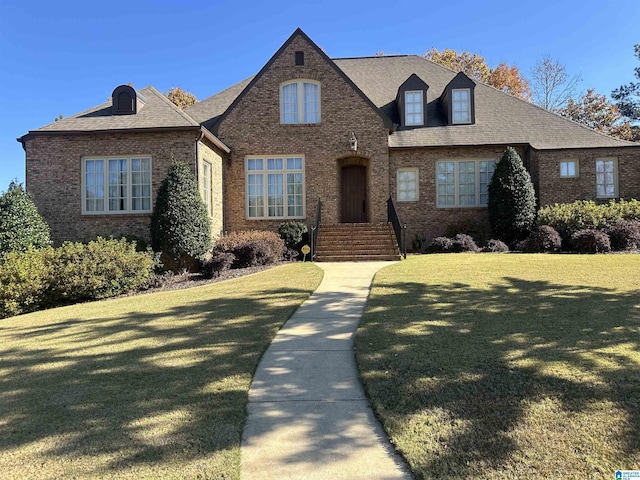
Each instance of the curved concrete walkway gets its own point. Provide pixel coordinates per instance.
(308, 416)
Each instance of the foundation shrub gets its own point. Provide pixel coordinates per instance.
(496, 246)
(463, 243)
(590, 241)
(544, 239)
(440, 245)
(216, 264)
(624, 235)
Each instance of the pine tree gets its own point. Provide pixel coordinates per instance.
(512, 201)
(180, 225)
(21, 226)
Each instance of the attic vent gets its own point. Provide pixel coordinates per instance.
(124, 101)
(299, 58)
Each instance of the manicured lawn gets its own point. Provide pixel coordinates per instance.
(152, 386)
(507, 366)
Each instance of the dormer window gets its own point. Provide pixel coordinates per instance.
(461, 106)
(413, 103)
(300, 102)
(124, 101)
(458, 101)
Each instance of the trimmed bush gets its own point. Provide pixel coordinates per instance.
(496, 246)
(568, 218)
(74, 272)
(99, 269)
(624, 235)
(463, 243)
(477, 229)
(180, 225)
(21, 226)
(218, 263)
(544, 239)
(590, 241)
(440, 245)
(232, 241)
(419, 243)
(295, 235)
(25, 278)
(254, 253)
(512, 201)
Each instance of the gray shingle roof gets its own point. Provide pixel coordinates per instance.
(157, 112)
(500, 118)
(208, 110)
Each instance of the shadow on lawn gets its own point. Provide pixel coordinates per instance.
(137, 387)
(452, 348)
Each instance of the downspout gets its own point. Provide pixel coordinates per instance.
(200, 136)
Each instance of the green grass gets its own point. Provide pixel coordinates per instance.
(507, 366)
(150, 386)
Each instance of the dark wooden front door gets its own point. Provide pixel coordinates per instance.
(354, 194)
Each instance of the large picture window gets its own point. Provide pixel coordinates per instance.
(463, 183)
(300, 102)
(275, 187)
(116, 185)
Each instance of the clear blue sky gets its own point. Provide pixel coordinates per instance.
(62, 57)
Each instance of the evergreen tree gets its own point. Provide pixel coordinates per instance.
(512, 201)
(180, 225)
(21, 226)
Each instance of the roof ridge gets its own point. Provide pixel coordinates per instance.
(164, 98)
(374, 56)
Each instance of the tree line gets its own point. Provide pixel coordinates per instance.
(551, 87)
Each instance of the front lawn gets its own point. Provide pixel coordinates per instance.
(507, 366)
(151, 386)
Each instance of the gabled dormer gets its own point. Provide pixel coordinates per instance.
(412, 102)
(458, 101)
(125, 101)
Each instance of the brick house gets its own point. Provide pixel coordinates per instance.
(351, 132)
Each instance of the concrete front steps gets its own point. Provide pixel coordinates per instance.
(348, 242)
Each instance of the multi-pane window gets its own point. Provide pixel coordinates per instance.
(205, 186)
(461, 105)
(275, 187)
(607, 177)
(463, 183)
(413, 106)
(300, 102)
(116, 185)
(568, 168)
(407, 184)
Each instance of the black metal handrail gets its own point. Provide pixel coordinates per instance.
(399, 228)
(315, 229)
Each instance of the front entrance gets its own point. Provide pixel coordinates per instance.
(354, 194)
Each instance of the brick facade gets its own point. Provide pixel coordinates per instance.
(554, 189)
(424, 217)
(253, 127)
(54, 177)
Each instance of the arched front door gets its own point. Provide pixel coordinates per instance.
(354, 194)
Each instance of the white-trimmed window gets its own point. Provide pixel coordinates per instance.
(461, 105)
(205, 185)
(463, 183)
(116, 184)
(407, 179)
(607, 177)
(413, 103)
(568, 168)
(300, 102)
(274, 187)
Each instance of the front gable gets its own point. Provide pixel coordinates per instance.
(298, 59)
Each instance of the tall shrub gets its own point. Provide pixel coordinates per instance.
(512, 202)
(21, 226)
(180, 225)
